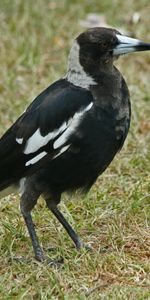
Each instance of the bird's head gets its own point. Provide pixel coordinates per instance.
(97, 48)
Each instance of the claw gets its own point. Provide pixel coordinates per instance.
(54, 262)
(21, 260)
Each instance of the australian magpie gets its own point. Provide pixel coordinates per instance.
(71, 132)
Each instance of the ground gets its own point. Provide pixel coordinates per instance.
(114, 217)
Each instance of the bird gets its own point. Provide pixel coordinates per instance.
(72, 131)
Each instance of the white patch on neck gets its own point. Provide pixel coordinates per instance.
(76, 73)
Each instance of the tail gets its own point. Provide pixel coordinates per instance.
(9, 163)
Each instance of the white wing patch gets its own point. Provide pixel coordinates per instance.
(36, 141)
(19, 141)
(72, 127)
(35, 159)
(62, 150)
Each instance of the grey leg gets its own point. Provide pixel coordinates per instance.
(36, 245)
(27, 203)
(34, 239)
(73, 235)
(52, 201)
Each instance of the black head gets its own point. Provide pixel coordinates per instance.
(94, 51)
(98, 43)
(100, 46)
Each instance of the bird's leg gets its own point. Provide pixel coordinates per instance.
(52, 202)
(26, 207)
(34, 239)
(28, 201)
(36, 245)
(73, 235)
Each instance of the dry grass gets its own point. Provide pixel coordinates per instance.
(115, 216)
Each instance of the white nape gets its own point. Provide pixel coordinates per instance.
(76, 74)
(35, 159)
(73, 124)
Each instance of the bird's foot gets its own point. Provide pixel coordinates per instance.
(39, 255)
(57, 262)
(80, 245)
(21, 260)
(104, 249)
(52, 249)
(87, 247)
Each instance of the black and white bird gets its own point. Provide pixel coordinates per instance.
(71, 132)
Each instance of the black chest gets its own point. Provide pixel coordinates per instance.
(112, 106)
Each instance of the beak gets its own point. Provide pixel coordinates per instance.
(127, 45)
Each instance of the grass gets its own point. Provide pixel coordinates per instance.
(115, 216)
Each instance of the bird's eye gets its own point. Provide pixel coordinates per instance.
(104, 45)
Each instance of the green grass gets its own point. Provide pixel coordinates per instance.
(114, 217)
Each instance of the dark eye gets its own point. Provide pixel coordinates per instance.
(104, 45)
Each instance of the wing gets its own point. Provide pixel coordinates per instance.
(43, 131)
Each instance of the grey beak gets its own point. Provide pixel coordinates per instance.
(127, 45)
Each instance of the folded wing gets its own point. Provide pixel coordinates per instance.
(43, 132)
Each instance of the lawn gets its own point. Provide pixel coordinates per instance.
(114, 218)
